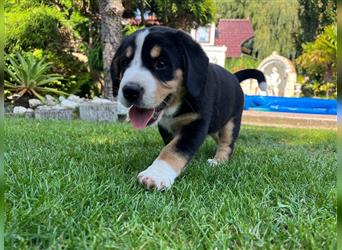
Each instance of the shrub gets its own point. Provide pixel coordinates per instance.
(244, 62)
(95, 57)
(39, 27)
(319, 57)
(319, 89)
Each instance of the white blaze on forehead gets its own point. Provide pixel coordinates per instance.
(137, 73)
(139, 42)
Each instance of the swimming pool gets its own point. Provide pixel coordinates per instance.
(291, 104)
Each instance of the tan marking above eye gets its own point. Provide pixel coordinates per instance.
(129, 52)
(155, 51)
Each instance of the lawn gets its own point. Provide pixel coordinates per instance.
(73, 185)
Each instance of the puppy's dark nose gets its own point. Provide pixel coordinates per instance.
(132, 92)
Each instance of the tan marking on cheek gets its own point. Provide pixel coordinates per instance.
(155, 51)
(225, 138)
(182, 120)
(129, 52)
(173, 86)
(173, 158)
(177, 97)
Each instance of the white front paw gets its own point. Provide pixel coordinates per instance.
(159, 175)
(212, 162)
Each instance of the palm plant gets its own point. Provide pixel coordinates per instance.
(29, 76)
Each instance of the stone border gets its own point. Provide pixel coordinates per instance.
(73, 107)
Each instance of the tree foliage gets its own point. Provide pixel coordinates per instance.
(179, 14)
(314, 16)
(319, 57)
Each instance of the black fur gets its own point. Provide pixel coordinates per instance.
(195, 65)
(250, 73)
(221, 99)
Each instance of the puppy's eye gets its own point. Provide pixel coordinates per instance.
(125, 62)
(160, 64)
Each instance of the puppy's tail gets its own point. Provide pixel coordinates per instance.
(254, 74)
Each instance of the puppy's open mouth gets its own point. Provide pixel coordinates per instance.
(141, 117)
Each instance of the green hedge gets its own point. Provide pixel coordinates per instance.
(38, 27)
(244, 62)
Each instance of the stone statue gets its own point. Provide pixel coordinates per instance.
(280, 75)
(273, 82)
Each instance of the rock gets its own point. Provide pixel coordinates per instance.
(70, 104)
(58, 106)
(75, 98)
(97, 111)
(29, 113)
(33, 103)
(121, 109)
(19, 110)
(43, 107)
(61, 98)
(100, 100)
(56, 112)
(50, 100)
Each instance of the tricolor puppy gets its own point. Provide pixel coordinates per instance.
(165, 77)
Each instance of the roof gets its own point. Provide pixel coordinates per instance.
(233, 33)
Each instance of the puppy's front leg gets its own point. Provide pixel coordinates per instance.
(174, 156)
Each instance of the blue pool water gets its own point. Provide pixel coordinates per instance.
(293, 105)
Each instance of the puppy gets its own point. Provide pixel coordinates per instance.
(165, 77)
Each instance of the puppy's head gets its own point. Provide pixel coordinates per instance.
(154, 66)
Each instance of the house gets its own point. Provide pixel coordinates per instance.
(233, 33)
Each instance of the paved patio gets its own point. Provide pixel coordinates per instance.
(280, 119)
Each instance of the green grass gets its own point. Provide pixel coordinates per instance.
(73, 185)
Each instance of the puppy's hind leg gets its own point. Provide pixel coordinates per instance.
(225, 141)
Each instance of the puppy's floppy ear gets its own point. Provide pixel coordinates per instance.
(196, 63)
(116, 67)
(115, 70)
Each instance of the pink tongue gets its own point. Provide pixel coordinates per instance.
(140, 117)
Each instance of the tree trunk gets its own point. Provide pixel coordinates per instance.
(111, 15)
(142, 12)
